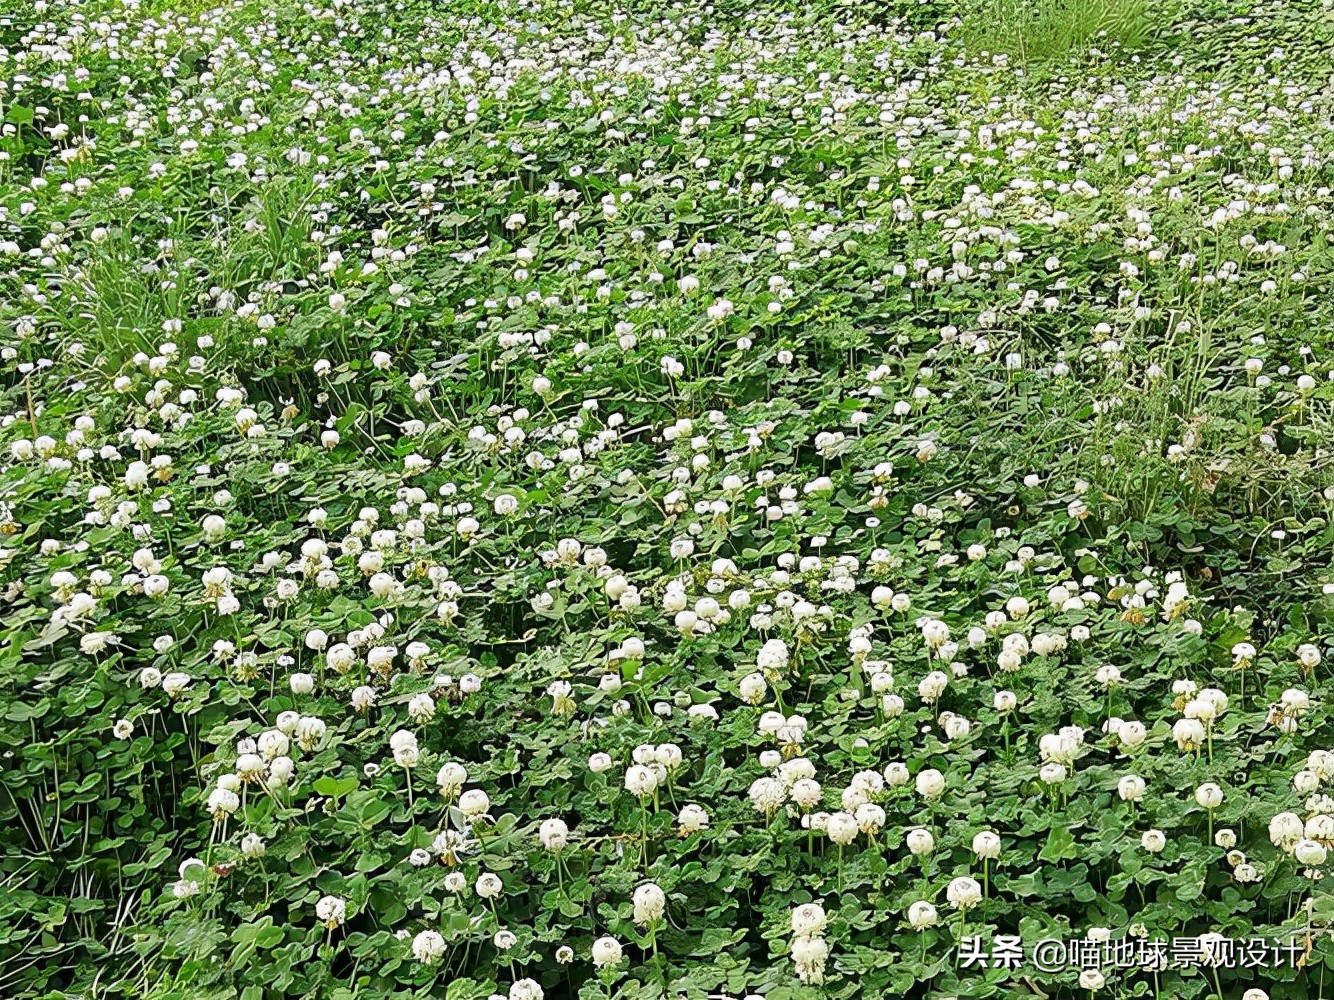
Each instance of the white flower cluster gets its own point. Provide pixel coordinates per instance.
(809, 948)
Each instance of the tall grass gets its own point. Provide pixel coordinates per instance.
(1041, 30)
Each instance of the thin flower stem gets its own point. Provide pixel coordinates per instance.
(643, 835)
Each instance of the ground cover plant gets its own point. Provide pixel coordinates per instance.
(548, 499)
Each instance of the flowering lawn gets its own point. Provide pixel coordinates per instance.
(536, 499)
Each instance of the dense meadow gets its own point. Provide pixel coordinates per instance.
(534, 499)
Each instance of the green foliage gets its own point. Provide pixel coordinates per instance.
(1044, 30)
(419, 420)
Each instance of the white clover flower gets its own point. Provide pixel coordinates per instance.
(281, 770)
(640, 781)
(606, 952)
(96, 642)
(692, 819)
(986, 845)
(331, 911)
(488, 885)
(1309, 852)
(955, 727)
(250, 767)
(870, 818)
(173, 683)
(1295, 702)
(806, 793)
(450, 779)
(809, 955)
(669, 755)
(767, 795)
(421, 708)
(428, 946)
(554, 835)
(363, 698)
(650, 903)
(753, 688)
(1053, 773)
(1131, 734)
(809, 920)
(932, 686)
(184, 889)
(1130, 788)
(1321, 763)
(526, 989)
(920, 842)
(474, 803)
(922, 915)
(930, 783)
(896, 774)
(773, 656)
(1189, 734)
(253, 846)
(1305, 782)
(1285, 829)
(841, 828)
(963, 893)
(1320, 827)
